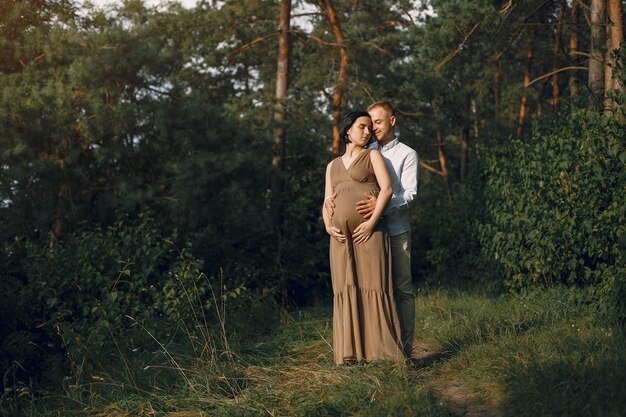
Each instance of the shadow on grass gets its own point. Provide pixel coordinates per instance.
(567, 388)
(431, 359)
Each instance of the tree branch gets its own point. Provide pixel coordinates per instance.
(506, 7)
(536, 10)
(586, 55)
(555, 72)
(457, 50)
(306, 14)
(378, 48)
(408, 114)
(406, 12)
(315, 38)
(583, 5)
(431, 169)
(254, 42)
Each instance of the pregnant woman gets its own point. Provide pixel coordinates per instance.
(365, 321)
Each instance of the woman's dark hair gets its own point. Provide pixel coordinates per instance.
(347, 122)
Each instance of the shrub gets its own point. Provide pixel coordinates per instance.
(112, 292)
(556, 206)
(456, 256)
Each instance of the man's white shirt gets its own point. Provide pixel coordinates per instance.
(402, 162)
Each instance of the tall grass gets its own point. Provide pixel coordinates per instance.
(534, 354)
(205, 368)
(143, 366)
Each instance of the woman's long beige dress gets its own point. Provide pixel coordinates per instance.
(365, 321)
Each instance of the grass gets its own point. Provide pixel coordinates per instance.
(542, 353)
(536, 354)
(288, 373)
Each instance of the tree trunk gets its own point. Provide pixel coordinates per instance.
(556, 99)
(523, 107)
(341, 78)
(441, 157)
(496, 84)
(57, 230)
(465, 135)
(280, 110)
(613, 43)
(443, 164)
(541, 94)
(475, 130)
(596, 62)
(573, 47)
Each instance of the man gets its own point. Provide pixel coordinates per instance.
(402, 162)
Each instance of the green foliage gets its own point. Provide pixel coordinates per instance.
(119, 289)
(456, 254)
(556, 206)
(128, 112)
(169, 111)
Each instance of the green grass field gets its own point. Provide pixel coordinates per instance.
(540, 354)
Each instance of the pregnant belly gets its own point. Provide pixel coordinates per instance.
(345, 217)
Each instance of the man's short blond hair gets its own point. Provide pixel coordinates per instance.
(385, 105)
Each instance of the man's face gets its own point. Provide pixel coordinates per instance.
(383, 123)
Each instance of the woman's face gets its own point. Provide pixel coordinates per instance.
(360, 131)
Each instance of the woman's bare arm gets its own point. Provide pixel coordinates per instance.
(328, 221)
(364, 230)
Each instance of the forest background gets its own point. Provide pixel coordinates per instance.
(164, 165)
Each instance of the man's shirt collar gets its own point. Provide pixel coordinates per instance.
(390, 145)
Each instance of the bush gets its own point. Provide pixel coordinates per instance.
(456, 255)
(556, 206)
(109, 293)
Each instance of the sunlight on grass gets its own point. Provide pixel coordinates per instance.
(536, 354)
(289, 373)
(540, 353)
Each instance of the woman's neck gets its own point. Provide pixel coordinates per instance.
(352, 149)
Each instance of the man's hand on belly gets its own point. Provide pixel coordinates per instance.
(366, 207)
(329, 204)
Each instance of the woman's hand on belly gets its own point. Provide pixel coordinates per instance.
(363, 232)
(336, 233)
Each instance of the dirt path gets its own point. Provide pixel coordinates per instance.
(459, 401)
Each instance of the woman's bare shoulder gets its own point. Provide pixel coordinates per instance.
(375, 153)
